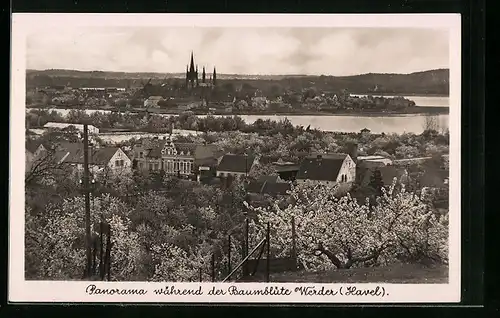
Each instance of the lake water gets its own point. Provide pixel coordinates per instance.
(377, 124)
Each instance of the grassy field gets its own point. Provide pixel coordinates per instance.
(397, 274)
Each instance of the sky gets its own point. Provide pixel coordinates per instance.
(263, 51)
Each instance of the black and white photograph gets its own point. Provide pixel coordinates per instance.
(184, 150)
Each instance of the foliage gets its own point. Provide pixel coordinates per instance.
(376, 182)
(56, 243)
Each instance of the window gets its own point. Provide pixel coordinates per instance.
(119, 163)
(141, 154)
(150, 166)
(140, 165)
(157, 166)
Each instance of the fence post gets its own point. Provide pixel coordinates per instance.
(201, 275)
(212, 265)
(247, 245)
(268, 242)
(101, 250)
(94, 255)
(229, 254)
(294, 242)
(108, 253)
(243, 255)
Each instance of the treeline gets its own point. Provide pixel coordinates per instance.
(279, 139)
(428, 82)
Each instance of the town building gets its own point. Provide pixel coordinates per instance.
(269, 185)
(327, 169)
(55, 125)
(373, 161)
(34, 149)
(236, 165)
(153, 101)
(112, 159)
(286, 170)
(183, 159)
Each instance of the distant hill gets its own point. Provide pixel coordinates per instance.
(435, 82)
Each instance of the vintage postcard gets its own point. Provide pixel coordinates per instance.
(235, 158)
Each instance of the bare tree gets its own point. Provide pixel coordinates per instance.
(431, 123)
(43, 167)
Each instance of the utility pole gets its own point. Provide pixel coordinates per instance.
(87, 198)
(268, 256)
(229, 254)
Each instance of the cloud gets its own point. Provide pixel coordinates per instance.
(329, 51)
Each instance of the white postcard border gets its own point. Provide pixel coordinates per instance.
(21, 290)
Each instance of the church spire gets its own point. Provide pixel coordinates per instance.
(191, 67)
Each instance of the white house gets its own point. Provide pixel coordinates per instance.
(327, 169)
(91, 129)
(153, 101)
(112, 158)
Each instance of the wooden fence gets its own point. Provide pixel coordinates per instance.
(254, 264)
(101, 253)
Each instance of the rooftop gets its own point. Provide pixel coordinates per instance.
(236, 163)
(322, 167)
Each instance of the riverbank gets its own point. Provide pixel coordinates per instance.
(415, 110)
(401, 94)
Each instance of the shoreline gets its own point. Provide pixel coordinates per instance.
(403, 94)
(423, 111)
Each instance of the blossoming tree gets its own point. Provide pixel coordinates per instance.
(343, 233)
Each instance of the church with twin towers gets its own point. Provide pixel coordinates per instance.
(193, 80)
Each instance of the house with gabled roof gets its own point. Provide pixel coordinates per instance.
(34, 149)
(327, 169)
(112, 158)
(236, 165)
(269, 185)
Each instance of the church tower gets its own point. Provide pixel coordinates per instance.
(214, 78)
(191, 74)
(192, 79)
